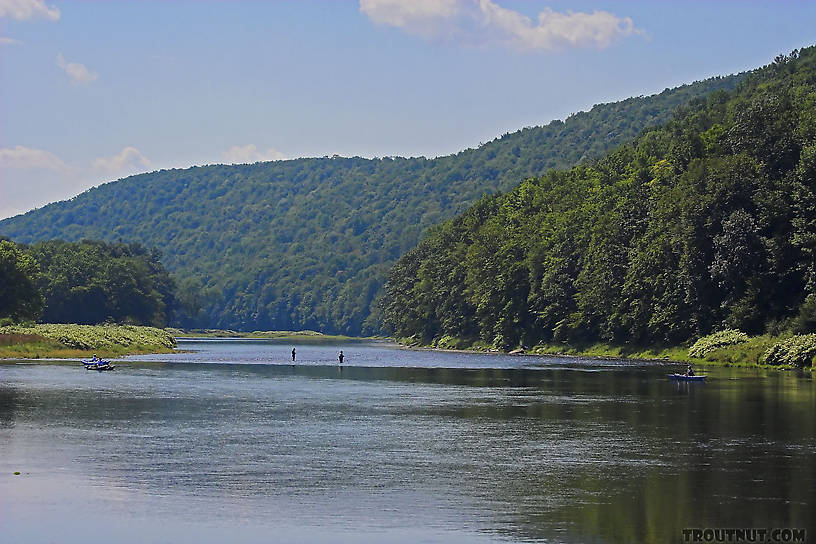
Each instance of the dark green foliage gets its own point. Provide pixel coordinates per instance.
(706, 223)
(92, 282)
(306, 244)
(19, 298)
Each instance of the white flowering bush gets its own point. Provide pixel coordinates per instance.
(797, 350)
(707, 344)
(88, 337)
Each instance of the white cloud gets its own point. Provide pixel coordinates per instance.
(128, 161)
(9, 41)
(555, 30)
(32, 177)
(484, 21)
(78, 73)
(24, 189)
(249, 153)
(28, 9)
(25, 158)
(404, 14)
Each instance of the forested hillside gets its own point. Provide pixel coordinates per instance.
(306, 244)
(706, 223)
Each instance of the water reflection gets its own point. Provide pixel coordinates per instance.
(493, 449)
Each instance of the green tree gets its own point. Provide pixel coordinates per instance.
(19, 298)
(93, 282)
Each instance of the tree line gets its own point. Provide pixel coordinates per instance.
(706, 223)
(87, 282)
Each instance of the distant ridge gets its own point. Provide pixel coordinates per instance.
(306, 243)
(704, 224)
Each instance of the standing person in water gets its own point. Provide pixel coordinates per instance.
(340, 356)
(293, 355)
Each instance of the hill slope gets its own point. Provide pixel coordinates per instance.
(706, 223)
(306, 243)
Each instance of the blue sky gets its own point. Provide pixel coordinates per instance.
(91, 91)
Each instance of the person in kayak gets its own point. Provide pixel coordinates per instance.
(689, 371)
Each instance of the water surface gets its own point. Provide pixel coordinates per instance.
(231, 442)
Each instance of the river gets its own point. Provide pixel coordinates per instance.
(229, 441)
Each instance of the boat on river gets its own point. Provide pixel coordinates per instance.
(99, 364)
(685, 378)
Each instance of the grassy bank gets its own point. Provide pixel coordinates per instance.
(753, 352)
(300, 336)
(747, 354)
(63, 341)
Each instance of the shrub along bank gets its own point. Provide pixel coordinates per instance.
(73, 341)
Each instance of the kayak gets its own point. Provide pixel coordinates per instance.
(98, 365)
(684, 378)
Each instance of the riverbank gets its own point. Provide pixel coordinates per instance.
(67, 341)
(299, 336)
(751, 353)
